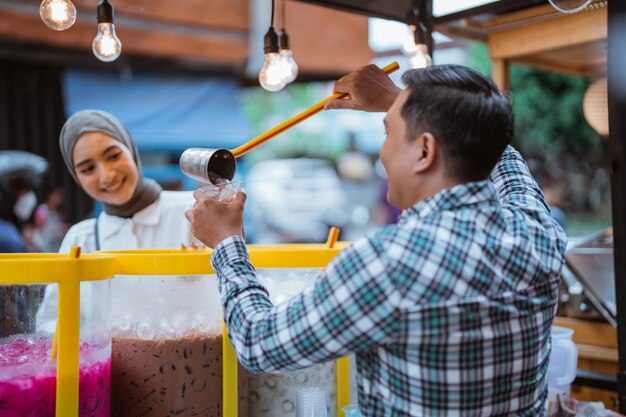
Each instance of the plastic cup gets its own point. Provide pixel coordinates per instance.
(311, 402)
(225, 191)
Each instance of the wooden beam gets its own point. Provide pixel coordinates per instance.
(584, 69)
(597, 353)
(561, 32)
(141, 41)
(589, 332)
(534, 13)
(326, 41)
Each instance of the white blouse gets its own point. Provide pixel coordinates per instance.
(160, 225)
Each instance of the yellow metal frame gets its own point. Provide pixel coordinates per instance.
(69, 272)
(23, 269)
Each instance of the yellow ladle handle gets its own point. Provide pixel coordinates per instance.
(287, 124)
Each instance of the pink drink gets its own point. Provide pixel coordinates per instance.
(28, 379)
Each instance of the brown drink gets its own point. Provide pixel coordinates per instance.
(172, 377)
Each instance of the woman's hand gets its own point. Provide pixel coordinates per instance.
(213, 221)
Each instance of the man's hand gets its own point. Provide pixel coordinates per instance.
(213, 221)
(369, 88)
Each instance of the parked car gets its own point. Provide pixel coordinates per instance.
(294, 200)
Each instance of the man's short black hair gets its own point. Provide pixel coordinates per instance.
(467, 113)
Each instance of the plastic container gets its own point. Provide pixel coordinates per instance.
(289, 268)
(563, 363)
(75, 381)
(276, 394)
(311, 402)
(166, 324)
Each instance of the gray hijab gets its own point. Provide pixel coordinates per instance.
(147, 190)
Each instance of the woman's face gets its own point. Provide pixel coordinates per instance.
(105, 168)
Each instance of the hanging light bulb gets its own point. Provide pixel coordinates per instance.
(287, 63)
(57, 14)
(106, 46)
(420, 57)
(409, 42)
(272, 76)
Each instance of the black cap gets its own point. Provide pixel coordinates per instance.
(283, 39)
(105, 12)
(270, 41)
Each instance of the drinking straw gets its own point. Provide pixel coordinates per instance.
(74, 253)
(289, 123)
(333, 234)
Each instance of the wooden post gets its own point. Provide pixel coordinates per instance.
(501, 73)
(617, 136)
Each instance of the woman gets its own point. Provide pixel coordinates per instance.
(101, 156)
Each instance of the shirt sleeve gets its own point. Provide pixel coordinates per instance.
(350, 308)
(520, 193)
(516, 187)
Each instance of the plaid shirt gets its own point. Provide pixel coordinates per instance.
(448, 312)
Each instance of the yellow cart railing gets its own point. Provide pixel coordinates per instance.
(24, 269)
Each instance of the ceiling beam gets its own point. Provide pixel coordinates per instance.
(547, 35)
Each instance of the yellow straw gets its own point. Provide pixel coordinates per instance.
(74, 253)
(264, 137)
(333, 234)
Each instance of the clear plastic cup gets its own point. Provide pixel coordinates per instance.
(225, 191)
(311, 402)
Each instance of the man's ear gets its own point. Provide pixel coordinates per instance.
(426, 148)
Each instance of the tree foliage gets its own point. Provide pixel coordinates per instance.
(563, 151)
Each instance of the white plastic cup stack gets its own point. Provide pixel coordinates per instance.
(311, 402)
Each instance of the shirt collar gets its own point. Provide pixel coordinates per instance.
(148, 216)
(468, 194)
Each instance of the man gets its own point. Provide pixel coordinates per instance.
(449, 311)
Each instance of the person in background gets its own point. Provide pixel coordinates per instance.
(449, 311)
(385, 213)
(21, 176)
(49, 227)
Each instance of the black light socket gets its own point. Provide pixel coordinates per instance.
(270, 41)
(419, 36)
(105, 12)
(283, 39)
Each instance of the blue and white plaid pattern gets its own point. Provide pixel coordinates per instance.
(448, 312)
